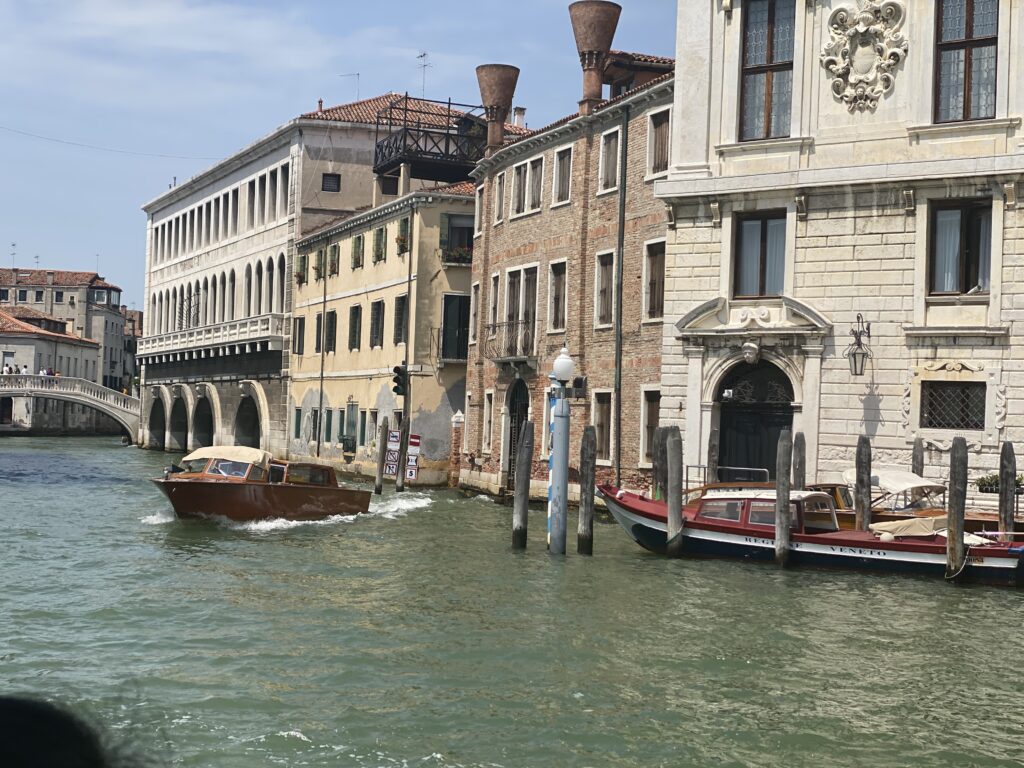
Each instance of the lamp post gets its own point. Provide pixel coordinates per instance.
(858, 352)
(562, 371)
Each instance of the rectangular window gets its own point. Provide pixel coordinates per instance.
(333, 260)
(318, 265)
(39, 297)
(328, 423)
(319, 333)
(602, 421)
(400, 304)
(5, 294)
(953, 405)
(562, 181)
(499, 197)
(314, 422)
(478, 211)
(331, 332)
(960, 250)
(767, 86)
(605, 280)
(357, 252)
(759, 256)
(58, 297)
(330, 182)
(520, 313)
(536, 182)
(261, 205)
(362, 427)
(556, 294)
(651, 416)
(302, 268)
(377, 324)
(379, 252)
(474, 312)
(355, 319)
(298, 423)
(372, 425)
(488, 417)
(458, 243)
(657, 143)
(299, 335)
(493, 309)
(965, 60)
(519, 189)
(455, 328)
(609, 171)
(654, 290)
(402, 240)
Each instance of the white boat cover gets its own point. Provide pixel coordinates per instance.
(895, 481)
(912, 526)
(231, 453)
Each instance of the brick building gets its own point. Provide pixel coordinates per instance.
(570, 252)
(805, 195)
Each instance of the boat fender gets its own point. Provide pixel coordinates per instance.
(886, 536)
(1016, 550)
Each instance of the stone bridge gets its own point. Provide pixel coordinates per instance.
(124, 409)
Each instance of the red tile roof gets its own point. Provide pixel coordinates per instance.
(12, 325)
(645, 58)
(467, 188)
(22, 311)
(62, 278)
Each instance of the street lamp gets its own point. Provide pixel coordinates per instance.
(858, 352)
(558, 474)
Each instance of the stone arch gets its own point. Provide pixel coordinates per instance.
(280, 282)
(177, 426)
(723, 366)
(516, 411)
(156, 424)
(254, 419)
(203, 428)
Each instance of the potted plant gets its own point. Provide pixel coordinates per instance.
(402, 243)
(300, 278)
(990, 483)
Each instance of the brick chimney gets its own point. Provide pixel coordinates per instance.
(593, 24)
(497, 86)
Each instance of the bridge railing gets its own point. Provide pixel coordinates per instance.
(228, 332)
(70, 385)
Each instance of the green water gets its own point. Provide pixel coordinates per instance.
(414, 637)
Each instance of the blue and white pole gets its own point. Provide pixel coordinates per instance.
(559, 464)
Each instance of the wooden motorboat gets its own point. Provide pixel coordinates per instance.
(742, 524)
(246, 484)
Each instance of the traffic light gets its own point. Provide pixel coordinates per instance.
(401, 380)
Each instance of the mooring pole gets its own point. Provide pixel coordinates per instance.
(521, 499)
(862, 488)
(403, 448)
(588, 469)
(382, 449)
(658, 463)
(917, 457)
(1007, 490)
(783, 467)
(799, 462)
(956, 554)
(713, 447)
(559, 474)
(674, 494)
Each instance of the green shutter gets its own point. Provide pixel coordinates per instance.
(327, 425)
(444, 233)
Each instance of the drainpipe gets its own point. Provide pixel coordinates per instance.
(623, 152)
(323, 353)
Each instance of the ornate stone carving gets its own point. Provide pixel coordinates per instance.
(751, 352)
(905, 408)
(864, 50)
(1000, 406)
(945, 445)
(954, 366)
(761, 316)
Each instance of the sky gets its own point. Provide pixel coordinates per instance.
(175, 85)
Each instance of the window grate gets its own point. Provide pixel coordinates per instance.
(953, 405)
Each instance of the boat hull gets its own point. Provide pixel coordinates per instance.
(245, 502)
(841, 550)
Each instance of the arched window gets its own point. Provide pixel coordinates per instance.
(247, 304)
(188, 307)
(280, 281)
(204, 318)
(224, 299)
(212, 314)
(258, 309)
(270, 285)
(232, 302)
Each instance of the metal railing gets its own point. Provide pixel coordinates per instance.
(511, 340)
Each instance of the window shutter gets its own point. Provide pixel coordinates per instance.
(444, 233)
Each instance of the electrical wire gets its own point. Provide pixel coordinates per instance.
(103, 149)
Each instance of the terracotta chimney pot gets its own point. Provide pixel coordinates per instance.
(497, 87)
(593, 25)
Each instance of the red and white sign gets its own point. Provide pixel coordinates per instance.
(414, 445)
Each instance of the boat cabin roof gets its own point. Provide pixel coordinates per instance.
(892, 481)
(231, 453)
(763, 494)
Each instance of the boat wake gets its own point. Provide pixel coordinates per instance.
(272, 524)
(159, 518)
(398, 505)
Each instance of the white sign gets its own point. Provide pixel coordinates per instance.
(412, 461)
(394, 439)
(410, 473)
(391, 470)
(391, 457)
(414, 445)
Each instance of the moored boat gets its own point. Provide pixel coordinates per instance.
(730, 523)
(245, 484)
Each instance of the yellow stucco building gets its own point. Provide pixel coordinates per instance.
(353, 283)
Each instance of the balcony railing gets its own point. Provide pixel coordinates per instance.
(249, 329)
(460, 256)
(511, 341)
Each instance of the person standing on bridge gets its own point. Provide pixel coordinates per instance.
(24, 370)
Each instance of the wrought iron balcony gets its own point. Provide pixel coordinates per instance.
(511, 341)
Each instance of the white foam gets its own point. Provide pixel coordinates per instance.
(295, 735)
(280, 524)
(483, 497)
(398, 505)
(160, 518)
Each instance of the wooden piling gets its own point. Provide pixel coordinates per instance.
(588, 468)
(799, 462)
(917, 457)
(521, 498)
(403, 451)
(783, 467)
(956, 552)
(1007, 490)
(659, 479)
(382, 449)
(713, 447)
(862, 488)
(674, 494)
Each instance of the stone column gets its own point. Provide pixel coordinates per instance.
(692, 441)
(691, 138)
(812, 406)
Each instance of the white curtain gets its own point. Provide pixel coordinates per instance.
(984, 250)
(775, 255)
(945, 269)
(749, 265)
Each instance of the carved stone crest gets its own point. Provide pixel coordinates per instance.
(864, 50)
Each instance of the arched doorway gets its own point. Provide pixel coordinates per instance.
(157, 425)
(518, 401)
(247, 423)
(6, 410)
(178, 433)
(202, 424)
(756, 405)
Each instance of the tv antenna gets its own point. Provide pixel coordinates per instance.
(14, 253)
(424, 64)
(356, 76)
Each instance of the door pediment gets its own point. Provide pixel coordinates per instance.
(776, 317)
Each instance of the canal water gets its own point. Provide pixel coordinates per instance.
(413, 636)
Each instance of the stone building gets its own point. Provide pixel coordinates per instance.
(352, 311)
(215, 351)
(86, 303)
(845, 160)
(570, 253)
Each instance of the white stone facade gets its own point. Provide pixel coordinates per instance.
(873, 202)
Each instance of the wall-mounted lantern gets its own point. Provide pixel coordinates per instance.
(858, 352)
